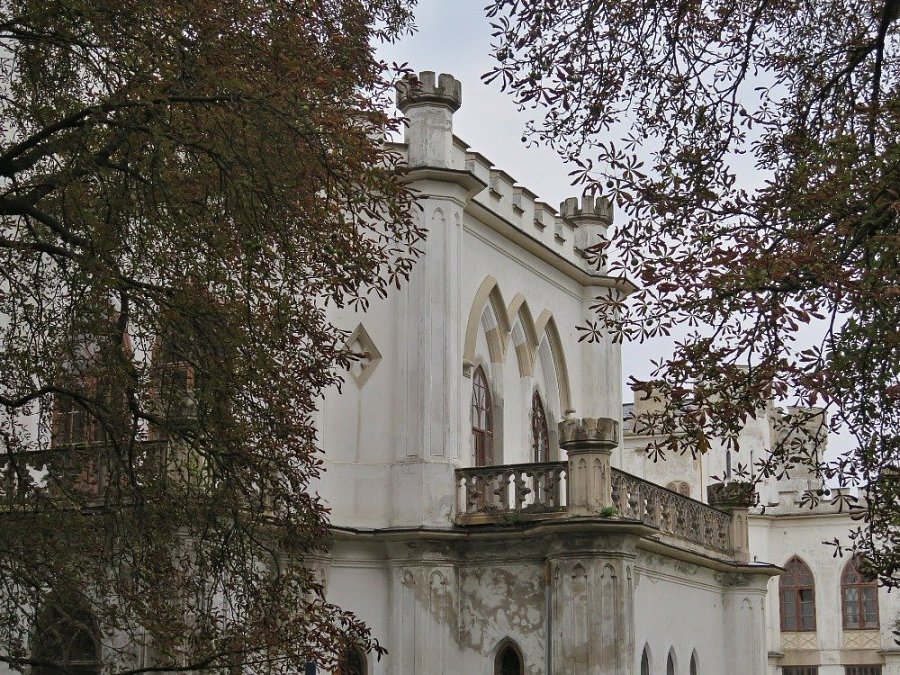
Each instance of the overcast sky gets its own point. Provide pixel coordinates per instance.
(454, 37)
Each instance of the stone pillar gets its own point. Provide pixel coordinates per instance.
(734, 498)
(592, 606)
(599, 362)
(589, 442)
(429, 321)
(743, 604)
(423, 600)
(592, 217)
(428, 102)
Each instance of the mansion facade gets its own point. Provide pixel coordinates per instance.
(492, 510)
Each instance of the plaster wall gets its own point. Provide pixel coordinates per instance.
(678, 610)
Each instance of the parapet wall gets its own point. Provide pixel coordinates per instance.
(566, 231)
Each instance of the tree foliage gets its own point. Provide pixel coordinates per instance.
(184, 188)
(753, 149)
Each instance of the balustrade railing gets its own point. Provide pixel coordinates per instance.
(514, 492)
(511, 491)
(674, 514)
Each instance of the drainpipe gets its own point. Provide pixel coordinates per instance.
(548, 621)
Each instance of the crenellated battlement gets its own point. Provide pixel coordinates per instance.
(429, 89)
(429, 101)
(589, 207)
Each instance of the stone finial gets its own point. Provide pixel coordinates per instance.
(588, 433)
(424, 90)
(587, 209)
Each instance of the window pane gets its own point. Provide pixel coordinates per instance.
(870, 604)
(788, 612)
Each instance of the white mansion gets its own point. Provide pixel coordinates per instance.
(475, 534)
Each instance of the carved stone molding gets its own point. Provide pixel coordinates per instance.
(798, 640)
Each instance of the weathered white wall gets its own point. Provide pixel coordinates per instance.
(789, 529)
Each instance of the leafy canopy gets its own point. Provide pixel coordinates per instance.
(184, 188)
(753, 149)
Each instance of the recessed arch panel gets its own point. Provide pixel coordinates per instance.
(487, 295)
(546, 327)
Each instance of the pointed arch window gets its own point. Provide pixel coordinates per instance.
(670, 664)
(859, 598)
(694, 665)
(482, 419)
(66, 640)
(797, 595)
(540, 436)
(509, 661)
(645, 661)
(353, 662)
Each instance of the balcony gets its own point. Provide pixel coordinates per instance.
(520, 493)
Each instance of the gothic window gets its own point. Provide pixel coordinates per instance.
(509, 661)
(797, 596)
(670, 664)
(68, 639)
(645, 661)
(352, 663)
(862, 670)
(540, 438)
(694, 666)
(859, 598)
(728, 465)
(482, 423)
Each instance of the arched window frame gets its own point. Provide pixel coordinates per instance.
(859, 598)
(540, 433)
(508, 647)
(695, 664)
(74, 627)
(482, 419)
(797, 597)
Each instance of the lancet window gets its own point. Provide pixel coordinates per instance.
(482, 419)
(540, 437)
(859, 598)
(797, 596)
(509, 661)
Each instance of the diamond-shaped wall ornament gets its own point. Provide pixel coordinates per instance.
(361, 343)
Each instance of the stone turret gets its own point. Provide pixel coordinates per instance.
(591, 216)
(428, 102)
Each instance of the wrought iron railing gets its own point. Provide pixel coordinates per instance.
(673, 514)
(511, 491)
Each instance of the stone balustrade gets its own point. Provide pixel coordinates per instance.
(508, 494)
(679, 518)
(511, 492)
